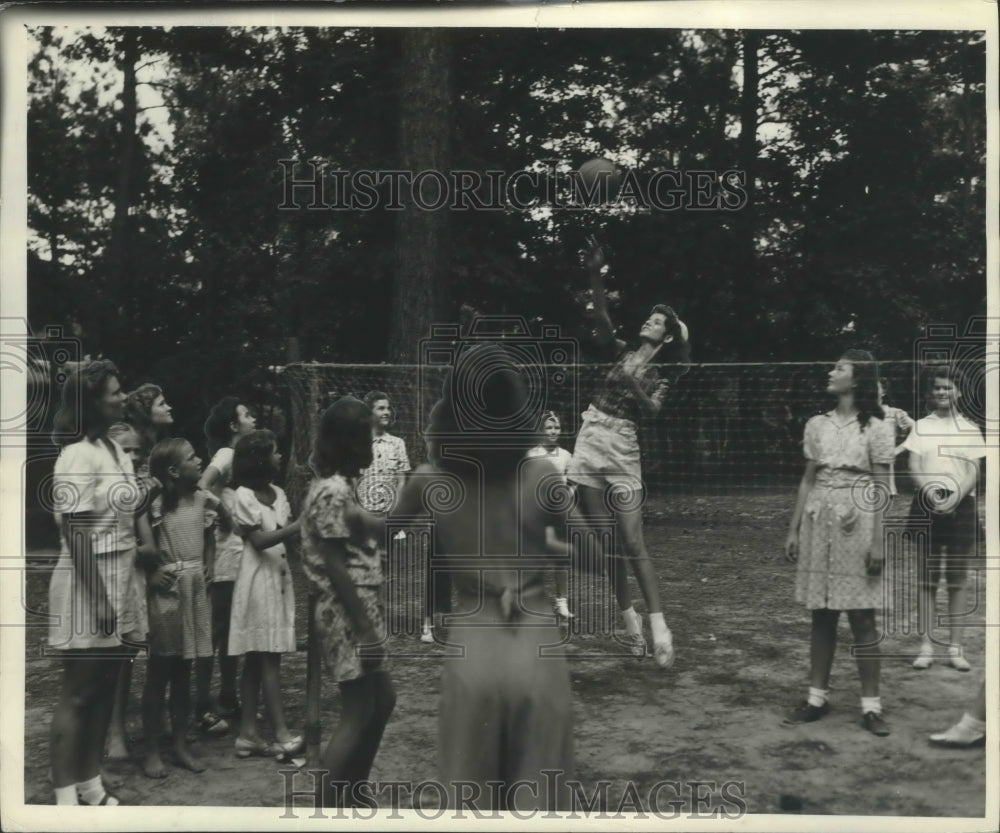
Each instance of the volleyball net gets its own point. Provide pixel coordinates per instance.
(723, 428)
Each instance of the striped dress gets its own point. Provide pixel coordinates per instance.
(180, 618)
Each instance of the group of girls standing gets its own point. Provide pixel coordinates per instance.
(158, 554)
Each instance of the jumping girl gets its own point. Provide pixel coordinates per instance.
(606, 460)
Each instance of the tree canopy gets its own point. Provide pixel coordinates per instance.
(155, 228)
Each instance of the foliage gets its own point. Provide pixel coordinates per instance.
(867, 225)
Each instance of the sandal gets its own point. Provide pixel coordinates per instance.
(245, 748)
(291, 747)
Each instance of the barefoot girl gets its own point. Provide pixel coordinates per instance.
(606, 456)
(341, 553)
(181, 517)
(262, 626)
(836, 532)
(147, 557)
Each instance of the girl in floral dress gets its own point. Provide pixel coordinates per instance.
(342, 556)
(835, 533)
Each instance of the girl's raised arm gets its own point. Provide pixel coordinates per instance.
(595, 261)
(211, 480)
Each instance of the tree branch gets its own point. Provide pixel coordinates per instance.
(159, 84)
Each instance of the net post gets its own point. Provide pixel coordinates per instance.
(313, 673)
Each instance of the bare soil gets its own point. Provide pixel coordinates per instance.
(716, 716)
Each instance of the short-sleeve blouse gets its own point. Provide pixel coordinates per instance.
(328, 504)
(615, 396)
(92, 477)
(835, 445)
(248, 511)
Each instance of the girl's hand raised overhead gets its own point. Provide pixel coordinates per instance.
(594, 257)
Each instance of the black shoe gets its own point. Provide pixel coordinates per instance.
(874, 723)
(805, 712)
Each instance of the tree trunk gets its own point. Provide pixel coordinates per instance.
(746, 277)
(421, 251)
(119, 255)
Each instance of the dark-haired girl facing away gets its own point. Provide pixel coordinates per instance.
(835, 533)
(262, 626)
(228, 420)
(342, 548)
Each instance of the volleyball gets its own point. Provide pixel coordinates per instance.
(598, 182)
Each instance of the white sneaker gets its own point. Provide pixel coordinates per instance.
(563, 610)
(924, 658)
(636, 644)
(956, 660)
(663, 651)
(427, 634)
(959, 736)
(636, 641)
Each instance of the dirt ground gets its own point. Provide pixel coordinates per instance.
(716, 716)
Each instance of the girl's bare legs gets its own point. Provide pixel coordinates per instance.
(593, 507)
(366, 704)
(270, 678)
(249, 691)
(80, 720)
(630, 530)
(866, 650)
(203, 667)
(118, 734)
(180, 712)
(153, 697)
(822, 644)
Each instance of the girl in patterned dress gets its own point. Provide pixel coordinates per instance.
(835, 533)
(182, 517)
(262, 625)
(342, 557)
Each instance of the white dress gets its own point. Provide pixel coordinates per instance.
(93, 478)
(263, 617)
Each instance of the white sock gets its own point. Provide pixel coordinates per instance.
(974, 724)
(562, 603)
(67, 795)
(661, 633)
(92, 791)
(817, 696)
(871, 704)
(633, 621)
